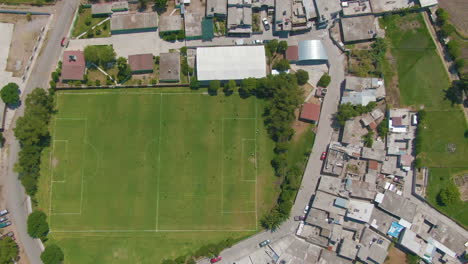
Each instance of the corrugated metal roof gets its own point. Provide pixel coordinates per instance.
(312, 50)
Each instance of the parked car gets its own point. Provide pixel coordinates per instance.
(64, 42)
(3, 219)
(10, 234)
(299, 218)
(214, 260)
(3, 212)
(306, 209)
(323, 156)
(266, 24)
(257, 41)
(5, 224)
(264, 243)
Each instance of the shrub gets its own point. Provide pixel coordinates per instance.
(214, 86)
(194, 83)
(302, 77)
(324, 80)
(37, 224)
(448, 195)
(454, 48)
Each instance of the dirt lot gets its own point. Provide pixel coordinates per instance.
(457, 10)
(24, 38)
(395, 256)
(462, 183)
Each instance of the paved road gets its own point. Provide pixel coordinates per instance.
(314, 165)
(13, 190)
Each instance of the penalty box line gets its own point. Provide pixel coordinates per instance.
(52, 171)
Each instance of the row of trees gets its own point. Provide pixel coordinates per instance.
(8, 250)
(32, 132)
(446, 29)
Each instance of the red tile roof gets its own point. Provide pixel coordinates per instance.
(373, 165)
(397, 121)
(141, 62)
(292, 53)
(73, 65)
(310, 112)
(373, 125)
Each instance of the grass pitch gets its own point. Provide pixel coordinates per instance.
(160, 174)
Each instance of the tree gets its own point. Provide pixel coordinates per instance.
(459, 64)
(99, 55)
(272, 46)
(37, 224)
(302, 77)
(448, 195)
(52, 254)
(214, 86)
(229, 87)
(282, 65)
(124, 69)
(446, 30)
(160, 3)
(324, 80)
(142, 4)
(442, 16)
(28, 17)
(454, 48)
(10, 94)
(382, 128)
(368, 139)
(8, 250)
(194, 83)
(2, 140)
(282, 46)
(248, 87)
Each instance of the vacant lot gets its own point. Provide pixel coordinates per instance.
(439, 179)
(422, 81)
(421, 74)
(140, 175)
(85, 22)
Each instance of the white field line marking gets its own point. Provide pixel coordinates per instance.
(130, 93)
(66, 213)
(256, 167)
(159, 161)
(152, 230)
(222, 164)
(66, 155)
(51, 172)
(82, 167)
(238, 212)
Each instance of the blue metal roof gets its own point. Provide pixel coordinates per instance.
(395, 230)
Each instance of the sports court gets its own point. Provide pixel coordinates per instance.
(149, 161)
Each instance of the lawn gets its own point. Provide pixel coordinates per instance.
(85, 22)
(440, 178)
(421, 74)
(141, 175)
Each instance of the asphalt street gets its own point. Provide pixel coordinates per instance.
(13, 191)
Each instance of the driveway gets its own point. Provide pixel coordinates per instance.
(13, 190)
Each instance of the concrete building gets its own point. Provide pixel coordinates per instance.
(359, 29)
(283, 16)
(353, 132)
(216, 8)
(383, 6)
(330, 203)
(361, 189)
(359, 98)
(381, 221)
(239, 20)
(373, 247)
(141, 63)
(193, 26)
(307, 52)
(230, 63)
(356, 8)
(398, 206)
(310, 112)
(332, 185)
(101, 9)
(348, 249)
(359, 84)
(360, 211)
(399, 121)
(73, 66)
(169, 67)
(134, 23)
(171, 24)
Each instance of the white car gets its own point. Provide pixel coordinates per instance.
(257, 41)
(3, 219)
(266, 24)
(3, 212)
(306, 209)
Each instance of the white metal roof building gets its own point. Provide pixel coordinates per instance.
(312, 50)
(231, 63)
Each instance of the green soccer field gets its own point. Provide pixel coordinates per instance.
(151, 164)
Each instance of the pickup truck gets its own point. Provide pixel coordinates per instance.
(5, 224)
